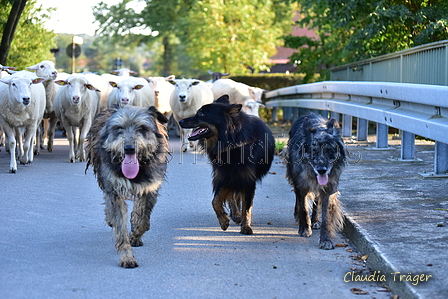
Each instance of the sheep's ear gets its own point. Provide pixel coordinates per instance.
(139, 86)
(7, 68)
(113, 84)
(33, 68)
(158, 115)
(6, 80)
(133, 73)
(61, 82)
(37, 80)
(171, 77)
(252, 94)
(91, 87)
(195, 83)
(171, 81)
(223, 99)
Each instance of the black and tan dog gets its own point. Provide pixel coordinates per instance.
(127, 148)
(316, 155)
(240, 148)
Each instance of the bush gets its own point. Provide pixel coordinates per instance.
(270, 81)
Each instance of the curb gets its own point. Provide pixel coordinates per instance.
(377, 259)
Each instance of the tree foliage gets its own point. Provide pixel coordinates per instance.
(32, 42)
(353, 30)
(200, 35)
(232, 36)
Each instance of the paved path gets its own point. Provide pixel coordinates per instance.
(54, 242)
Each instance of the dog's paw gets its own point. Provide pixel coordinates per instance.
(305, 232)
(326, 245)
(236, 218)
(246, 230)
(136, 242)
(315, 225)
(129, 263)
(224, 224)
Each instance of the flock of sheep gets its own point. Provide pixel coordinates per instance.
(39, 97)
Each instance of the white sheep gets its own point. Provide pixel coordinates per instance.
(102, 84)
(22, 102)
(131, 91)
(188, 96)
(3, 73)
(46, 70)
(124, 72)
(162, 91)
(217, 75)
(76, 104)
(251, 107)
(4, 69)
(238, 92)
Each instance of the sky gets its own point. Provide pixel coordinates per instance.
(73, 16)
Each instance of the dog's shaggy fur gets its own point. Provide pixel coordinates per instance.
(119, 138)
(240, 148)
(316, 156)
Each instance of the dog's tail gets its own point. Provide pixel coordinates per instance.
(336, 219)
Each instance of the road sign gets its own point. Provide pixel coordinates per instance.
(70, 52)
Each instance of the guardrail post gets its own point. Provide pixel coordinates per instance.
(361, 131)
(335, 115)
(382, 131)
(441, 158)
(287, 113)
(407, 146)
(295, 114)
(274, 114)
(347, 125)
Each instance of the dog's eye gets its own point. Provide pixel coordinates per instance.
(200, 113)
(143, 129)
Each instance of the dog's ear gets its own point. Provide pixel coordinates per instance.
(234, 109)
(223, 99)
(307, 127)
(333, 126)
(158, 115)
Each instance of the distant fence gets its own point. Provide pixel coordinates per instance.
(426, 64)
(416, 109)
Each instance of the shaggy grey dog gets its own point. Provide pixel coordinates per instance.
(127, 148)
(316, 155)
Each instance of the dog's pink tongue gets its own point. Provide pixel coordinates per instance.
(322, 179)
(130, 166)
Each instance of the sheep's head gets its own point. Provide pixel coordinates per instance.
(183, 88)
(44, 69)
(76, 88)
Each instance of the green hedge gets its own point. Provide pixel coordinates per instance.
(269, 81)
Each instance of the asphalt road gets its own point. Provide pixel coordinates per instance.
(54, 242)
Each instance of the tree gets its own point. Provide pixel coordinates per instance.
(31, 41)
(10, 27)
(200, 40)
(155, 24)
(353, 30)
(234, 36)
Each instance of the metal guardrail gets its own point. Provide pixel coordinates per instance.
(416, 109)
(425, 64)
